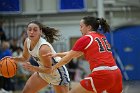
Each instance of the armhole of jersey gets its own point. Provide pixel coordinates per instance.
(49, 45)
(40, 47)
(91, 40)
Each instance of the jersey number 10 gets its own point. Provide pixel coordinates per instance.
(101, 43)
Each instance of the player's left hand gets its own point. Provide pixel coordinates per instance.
(29, 67)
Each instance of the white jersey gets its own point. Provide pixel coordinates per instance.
(60, 76)
(35, 51)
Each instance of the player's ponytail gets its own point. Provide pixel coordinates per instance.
(51, 34)
(104, 25)
(95, 23)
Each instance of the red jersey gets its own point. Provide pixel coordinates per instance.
(96, 50)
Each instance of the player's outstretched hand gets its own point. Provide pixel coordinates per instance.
(50, 54)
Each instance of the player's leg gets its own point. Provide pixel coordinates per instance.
(61, 88)
(61, 80)
(34, 84)
(79, 89)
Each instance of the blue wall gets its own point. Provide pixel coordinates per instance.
(10, 6)
(125, 43)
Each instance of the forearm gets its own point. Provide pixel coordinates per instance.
(62, 54)
(20, 59)
(66, 59)
(46, 70)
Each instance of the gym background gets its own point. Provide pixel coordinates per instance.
(122, 15)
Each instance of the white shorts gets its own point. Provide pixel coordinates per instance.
(59, 77)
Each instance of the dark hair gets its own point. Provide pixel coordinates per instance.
(96, 22)
(51, 34)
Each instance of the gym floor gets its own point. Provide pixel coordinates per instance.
(131, 86)
(128, 87)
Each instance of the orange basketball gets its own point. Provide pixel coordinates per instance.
(8, 67)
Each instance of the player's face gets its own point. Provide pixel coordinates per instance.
(83, 28)
(33, 31)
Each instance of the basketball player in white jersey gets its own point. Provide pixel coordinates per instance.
(36, 45)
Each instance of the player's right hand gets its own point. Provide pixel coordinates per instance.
(50, 54)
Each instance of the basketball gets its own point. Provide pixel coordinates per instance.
(8, 67)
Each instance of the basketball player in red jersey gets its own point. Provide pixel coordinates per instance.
(105, 75)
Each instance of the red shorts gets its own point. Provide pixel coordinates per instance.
(104, 80)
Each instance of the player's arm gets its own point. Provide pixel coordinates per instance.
(66, 59)
(46, 61)
(76, 51)
(25, 56)
(61, 54)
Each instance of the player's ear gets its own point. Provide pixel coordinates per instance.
(89, 27)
